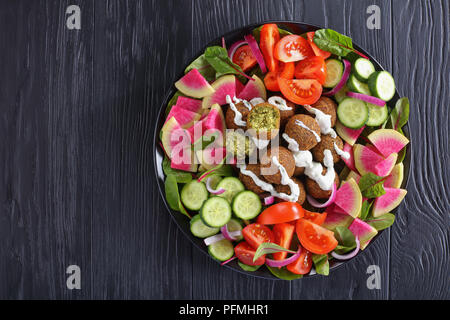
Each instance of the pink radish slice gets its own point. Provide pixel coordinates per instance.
(256, 52)
(317, 204)
(284, 262)
(269, 200)
(343, 81)
(348, 255)
(210, 188)
(367, 98)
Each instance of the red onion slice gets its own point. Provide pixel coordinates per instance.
(234, 47)
(232, 236)
(211, 189)
(229, 260)
(269, 200)
(284, 262)
(348, 255)
(317, 204)
(343, 81)
(256, 52)
(213, 239)
(367, 98)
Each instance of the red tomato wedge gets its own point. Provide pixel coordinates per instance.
(245, 253)
(280, 213)
(303, 264)
(311, 68)
(292, 48)
(315, 217)
(283, 233)
(271, 78)
(314, 238)
(288, 70)
(268, 38)
(256, 233)
(244, 58)
(300, 91)
(317, 51)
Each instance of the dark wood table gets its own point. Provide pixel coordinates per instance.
(77, 185)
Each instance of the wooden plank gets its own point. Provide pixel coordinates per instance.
(137, 250)
(210, 281)
(349, 17)
(420, 236)
(45, 153)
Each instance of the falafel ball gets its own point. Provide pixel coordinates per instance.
(248, 181)
(264, 119)
(327, 106)
(284, 114)
(287, 190)
(229, 116)
(299, 171)
(327, 142)
(239, 144)
(305, 138)
(284, 157)
(313, 189)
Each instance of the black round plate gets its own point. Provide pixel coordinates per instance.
(158, 153)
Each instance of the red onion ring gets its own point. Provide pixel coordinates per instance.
(232, 236)
(256, 52)
(367, 98)
(348, 255)
(211, 189)
(343, 81)
(234, 47)
(317, 204)
(229, 260)
(213, 239)
(269, 200)
(284, 262)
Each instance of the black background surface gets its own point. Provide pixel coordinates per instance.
(77, 185)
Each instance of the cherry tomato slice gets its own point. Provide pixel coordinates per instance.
(315, 217)
(283, 233)
(288, 70)
(271, 78)
(244, 58)
(311, 68)
(280, 213)
(317, 51)
(300, 91)
(268, 38)
(314, 238)
(303, 264)
(256, 233)
(245, 253)
(292, 48)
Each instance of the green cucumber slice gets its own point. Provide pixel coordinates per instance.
(352, 113)
(201, 230)
(382, 85)
(341, 94)
(357, 86)
(377, 115)
(215, 212)
(232, 186)
(221, 250)
(246, 205)
(363, 68)
(193, 195)
(335, 70)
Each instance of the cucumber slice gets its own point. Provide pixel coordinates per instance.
(357, 86)
(235, 225)
(221, 250)
(201, 230)
(194, 194)
(215, 212)
(377, 115)
(382, 85)
(335, 70)
(214, 180)
(363, 68)
(352, 113)
(232, 187)
(341, 94)
(246, 205)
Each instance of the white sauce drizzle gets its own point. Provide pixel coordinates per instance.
(341, 153)
(237, 115)
(256, 101)
(301, 124)
(279, 102)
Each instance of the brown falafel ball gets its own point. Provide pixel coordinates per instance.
(286, 114)
(264, 119)
(304, 137)
(327, 142)
(285, 158)
(299, 171)
(314, 190)
(287, 190)
(248, 181)
(327, 106)
(229, 116)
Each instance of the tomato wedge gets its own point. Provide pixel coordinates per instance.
(256, 233)
(292, 48)
(288, 70)
(314, 238)
(268, 38)
(315, 217)
(280, 213)
(317, 51)
(245, 253)
(303, 264)
(283, 233)
(300, 91)
(311, 68)
(244, 58)
(271, 78)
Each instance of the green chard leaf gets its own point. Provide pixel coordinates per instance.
(371, 185)
(269, 247)
(283, 273)
(381, 222)
(346, 240)
(321, 264)
(203, 66)
(246, 267)
(400, 114)
(180, 176)
(173, 195)
(365, 209)
(334, 42)
(218, 58)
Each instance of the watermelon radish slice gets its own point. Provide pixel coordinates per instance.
(365, 159)
(385, 167)
(190, 104)
(388, 141)
(174, 137)
(183, 159)
(364, 231)
(214, 123)
(395, 179)
(196, 131)
(335, 219)
(185, 118)
(388, 201)
(253, 89)
(350, 162)
(239, 87)
(223, 87)
(348, 135)
(193, 84)
(353, 175)
(349, 198)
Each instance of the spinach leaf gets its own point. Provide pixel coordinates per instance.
(180, 176)
(365, 209)
(283, 273)
(218, 58)
(371, 185)
(173, 195)
(203, 66)
(400, 114)
(321, 264)
(334, 42)
(346, 240)
(382, 222)
(246, 267)
(257, 33)
(268, 247)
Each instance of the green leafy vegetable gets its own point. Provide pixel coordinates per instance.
(400, 114)
(218, 58)
(203, 66)
(346, 240)
(382, 222)
(283, 273)
(321, 264)
(268, 247)
(173, 195)
(371, 185)
(334, 42)
(257, 33)
(365, 209)
(180, 176)
(246, 267)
